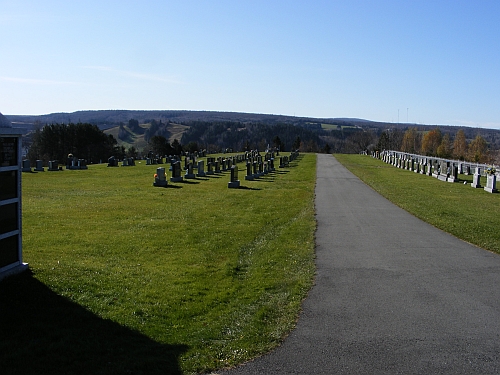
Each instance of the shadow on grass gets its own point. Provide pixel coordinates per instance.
(44, 333)
(189, 182)
(169, 186)
(264, 179)
(247, 188)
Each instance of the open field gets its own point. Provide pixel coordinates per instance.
(336, 127)
(127, 277)
(457, 208)
(137, 140)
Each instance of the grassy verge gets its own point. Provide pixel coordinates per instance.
(131, 277)
(457, 208)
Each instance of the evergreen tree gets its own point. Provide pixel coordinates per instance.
(86, 141)
(176, 147)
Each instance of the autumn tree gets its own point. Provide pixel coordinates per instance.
(478, 150)
(430, 142)
(444, 149)
(411, 141)
(460, 145)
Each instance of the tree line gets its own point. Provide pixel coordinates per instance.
(435, 143)
(57, 141)
(87, 141)
(220, 135)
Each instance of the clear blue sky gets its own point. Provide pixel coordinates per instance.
(431, 62)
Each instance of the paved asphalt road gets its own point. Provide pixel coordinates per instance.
(393, 295)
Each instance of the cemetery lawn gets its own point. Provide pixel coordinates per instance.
(457, 208)
(127, 277)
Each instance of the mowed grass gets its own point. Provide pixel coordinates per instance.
(457, 208)
(127, 277)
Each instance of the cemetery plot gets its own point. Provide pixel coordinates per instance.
(220, 272)
(442, 169)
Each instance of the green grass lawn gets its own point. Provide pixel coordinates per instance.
(130, 277)
(457, 208)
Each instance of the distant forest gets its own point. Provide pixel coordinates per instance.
(217, 131)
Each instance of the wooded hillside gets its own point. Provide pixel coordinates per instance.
(219, 130)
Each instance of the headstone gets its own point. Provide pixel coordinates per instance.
(428, 172)
(26, 166)
(261, 168)
(423, 166)
(436, 169)
(234, 182)
(112, 162)
(39, 166)
(210, 168)
(491, 183)
(53, 165)
(201, 169)
(453, 176)
(82, 164)
(176, 172)
(249, 175)
(476, 179)
(189, 172)
(160, 177)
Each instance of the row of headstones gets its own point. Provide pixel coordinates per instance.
(53, 165)
(159, 159)
(255, 163)
(213, 167)
(126, 162)
(442, 169)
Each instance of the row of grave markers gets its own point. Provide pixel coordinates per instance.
(53, 165)
(442, 169)
(256, 166)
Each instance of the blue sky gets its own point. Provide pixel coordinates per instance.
(427, 62)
